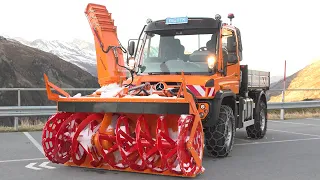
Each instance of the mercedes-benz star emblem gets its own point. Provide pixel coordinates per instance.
(159, 86)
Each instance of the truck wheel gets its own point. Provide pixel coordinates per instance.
(259, 128)
(219, 138)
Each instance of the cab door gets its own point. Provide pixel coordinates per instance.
(230, 49)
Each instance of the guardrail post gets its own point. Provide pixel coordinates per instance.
(16, 119)
(282, 110)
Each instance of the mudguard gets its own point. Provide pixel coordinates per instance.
(257, 96)
(261, 95)
(216, 104)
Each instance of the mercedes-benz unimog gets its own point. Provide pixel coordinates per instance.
(185, 92)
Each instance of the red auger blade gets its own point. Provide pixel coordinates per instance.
(143, 143)
(49, 132)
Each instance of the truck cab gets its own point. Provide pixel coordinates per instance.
(199, 46)
(208, 52)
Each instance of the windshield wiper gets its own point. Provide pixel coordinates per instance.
(185, 73)
(157, 73)
(178, 73)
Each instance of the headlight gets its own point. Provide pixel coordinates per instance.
(211, 61)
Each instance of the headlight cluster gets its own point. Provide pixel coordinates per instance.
(211, 61)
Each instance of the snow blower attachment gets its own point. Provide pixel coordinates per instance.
(150, 134)
(121, 127)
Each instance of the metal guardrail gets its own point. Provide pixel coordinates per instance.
(294, 105)
(20, 111)
(13, 111)
(26, 113)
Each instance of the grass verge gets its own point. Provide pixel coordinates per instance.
(26, 125)
(295, 113)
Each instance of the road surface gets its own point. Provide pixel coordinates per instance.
(290, 151)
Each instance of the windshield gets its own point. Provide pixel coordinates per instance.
(173, 54)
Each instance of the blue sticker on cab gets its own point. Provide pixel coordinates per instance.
(177, 20)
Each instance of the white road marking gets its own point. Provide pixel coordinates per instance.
(314, 135)
(30, 166)
(295, 123)
(315, 119)
(20, 160)
(243, 140)
(44, 165)
(34, 142)
(270, 142)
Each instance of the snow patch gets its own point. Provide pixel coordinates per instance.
(110, 90)
(125, 152)
(157, 169)
(85, 137)
(173, 135)
(139, 162)
(120, 165)
(187, 138)
(77, 95)
(188, 170)
(177, 168)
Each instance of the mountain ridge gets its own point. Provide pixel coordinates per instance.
(23, 66)
(79, 52)
(13, 52)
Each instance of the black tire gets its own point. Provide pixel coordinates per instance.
(259, 128)
(217, 141)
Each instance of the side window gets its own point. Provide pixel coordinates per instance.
(229, 47)
(151, 49)
(154, 46)
(239, 43)
(225, 35)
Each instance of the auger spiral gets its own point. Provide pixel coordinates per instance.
(148, 143)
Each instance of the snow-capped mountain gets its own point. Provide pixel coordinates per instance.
(78, 52)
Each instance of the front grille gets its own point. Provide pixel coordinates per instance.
(168, 83)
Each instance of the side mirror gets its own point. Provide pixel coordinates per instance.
(131, 48)
(232, 44)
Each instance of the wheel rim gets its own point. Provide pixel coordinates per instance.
(229, 133)
(263, 119)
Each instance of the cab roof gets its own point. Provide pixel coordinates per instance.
(193, 25)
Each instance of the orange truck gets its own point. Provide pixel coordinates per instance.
(180, 93)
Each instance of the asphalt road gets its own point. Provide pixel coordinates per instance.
(290, 151)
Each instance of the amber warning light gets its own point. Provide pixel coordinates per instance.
(230, 16)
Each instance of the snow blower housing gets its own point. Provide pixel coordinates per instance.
(186, 89)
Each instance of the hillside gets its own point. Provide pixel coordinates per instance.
(23, 66)
(279, 85)
(78, 52)
(275, 79)
(307, 78)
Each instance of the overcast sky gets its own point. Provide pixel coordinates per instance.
(272, 31)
